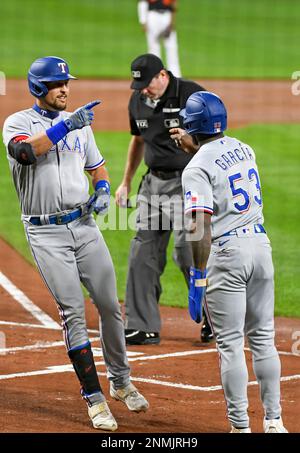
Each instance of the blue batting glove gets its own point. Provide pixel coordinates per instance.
(197, 290)
(81, 117)
(99, 201)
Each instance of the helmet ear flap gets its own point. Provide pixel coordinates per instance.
(195, 140)
(36, 88)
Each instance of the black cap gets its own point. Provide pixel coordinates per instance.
(143, 69)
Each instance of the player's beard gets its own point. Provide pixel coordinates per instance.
(59, 105)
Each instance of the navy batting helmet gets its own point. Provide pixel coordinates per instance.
(204, 113)
(46, 69)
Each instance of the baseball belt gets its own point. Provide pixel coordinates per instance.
(245, 230)
(57, 219)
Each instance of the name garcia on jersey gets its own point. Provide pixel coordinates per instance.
(231, 158)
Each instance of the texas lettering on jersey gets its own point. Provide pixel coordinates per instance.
(71, 144)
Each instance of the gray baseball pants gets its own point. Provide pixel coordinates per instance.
(240, 299)
(160, 210)
(67, 255)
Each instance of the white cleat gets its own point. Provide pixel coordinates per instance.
(274, 426)
(240, 430)
(101, 417)
(130, 396)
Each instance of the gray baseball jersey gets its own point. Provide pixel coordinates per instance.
(57, 181)
(222, 179)
(72, 253)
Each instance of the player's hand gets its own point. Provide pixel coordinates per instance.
(81, 117)
(183, 140)
(100, 200)
(122, 195)
(197, 290)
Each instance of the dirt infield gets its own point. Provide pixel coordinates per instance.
(247, 102)
(180, 377)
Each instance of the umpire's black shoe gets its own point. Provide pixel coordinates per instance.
(206, 333)
(138, 337)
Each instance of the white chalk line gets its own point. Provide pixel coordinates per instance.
(69, 368)
(41, 345)
(29, 326)
(37, 346)
(97, 352)
(202, 389)
(26, 303)
(39, 326)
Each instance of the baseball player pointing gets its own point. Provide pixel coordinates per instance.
(232, 258)
(48, 151)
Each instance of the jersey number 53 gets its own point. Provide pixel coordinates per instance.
(245, 195)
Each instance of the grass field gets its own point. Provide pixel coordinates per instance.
(278, 158)
(99, 38)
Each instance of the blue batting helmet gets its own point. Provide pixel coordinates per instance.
(46, 69)
(204, 113)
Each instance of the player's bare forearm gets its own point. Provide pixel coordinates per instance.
(134, 157)
(99, 174)
(201, 247)
(40, 143)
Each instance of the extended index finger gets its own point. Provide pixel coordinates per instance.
(92, 104)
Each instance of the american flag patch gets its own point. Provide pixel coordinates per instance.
(191, 198)
(217, 126)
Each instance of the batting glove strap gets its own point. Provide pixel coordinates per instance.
(201, 283)
(100, 200)
(103, 185)
(197, 274)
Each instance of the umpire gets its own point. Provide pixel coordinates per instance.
(153, 110)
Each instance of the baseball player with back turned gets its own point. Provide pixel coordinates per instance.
(48, 151)
(231, 249)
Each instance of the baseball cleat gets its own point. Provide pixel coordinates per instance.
(136, 337)
(101, 417)
(206, 333)
(274, 426)
(240, 430)
(130, 396)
